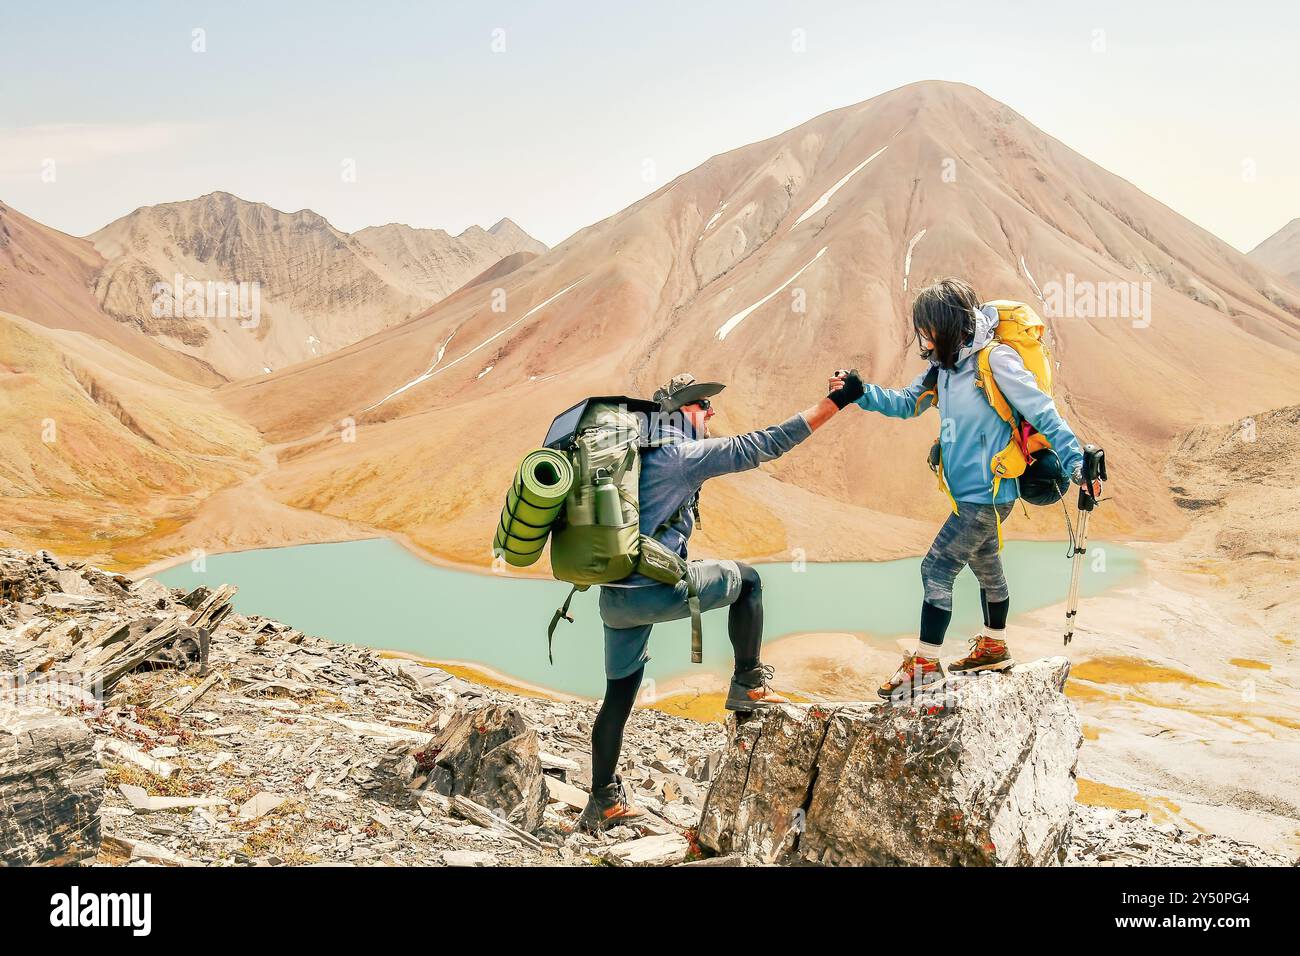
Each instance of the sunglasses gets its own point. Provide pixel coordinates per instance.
(704, 404)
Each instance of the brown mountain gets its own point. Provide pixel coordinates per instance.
(111, 441)
(318, 288)
(1280, 252)
(47, 277)
(770, 265)
(109, 438)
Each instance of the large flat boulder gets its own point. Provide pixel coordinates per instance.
(51, 787)
(979, 772)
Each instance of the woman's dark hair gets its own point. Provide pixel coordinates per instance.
(945, 313)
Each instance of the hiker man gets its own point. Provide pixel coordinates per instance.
(682, 458)
(953, 328)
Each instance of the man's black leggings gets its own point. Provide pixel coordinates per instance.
(745, 620)
(607, 731)
(744, 627)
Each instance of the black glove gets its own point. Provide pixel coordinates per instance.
(850, 391)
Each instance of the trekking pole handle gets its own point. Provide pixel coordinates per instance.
(1094, 462)
(1094, 469)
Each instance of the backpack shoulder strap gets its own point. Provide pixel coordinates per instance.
(985, 379)
(660, 441)
(929, 389)
(692, 501)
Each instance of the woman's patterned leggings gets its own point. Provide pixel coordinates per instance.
(967, 537)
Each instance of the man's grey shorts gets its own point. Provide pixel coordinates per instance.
(629, 613)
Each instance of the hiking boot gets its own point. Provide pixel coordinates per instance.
(608, 806)
(912, 675)
(750, 691)
(986, 654)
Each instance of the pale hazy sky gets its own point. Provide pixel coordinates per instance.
(1193, 102)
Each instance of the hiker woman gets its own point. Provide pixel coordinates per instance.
(952, 329)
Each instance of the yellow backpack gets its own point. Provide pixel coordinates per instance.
(1019, 327)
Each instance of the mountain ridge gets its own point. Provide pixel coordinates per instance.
(319, 288)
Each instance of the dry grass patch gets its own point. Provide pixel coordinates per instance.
(1095, 794)
(705, 708)
(241, 794)
(1131, 671)
(174, 786)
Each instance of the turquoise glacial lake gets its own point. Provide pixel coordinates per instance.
(377, 594)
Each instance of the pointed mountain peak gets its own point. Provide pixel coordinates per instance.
(509, 230)
(1280, 252)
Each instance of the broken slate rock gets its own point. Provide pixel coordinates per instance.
(260, 804)
(668, 849)
(510, 781)
(560, 792)
(489, 755)
(468, 858)
(51, 788)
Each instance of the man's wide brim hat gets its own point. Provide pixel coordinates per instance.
(684, 390)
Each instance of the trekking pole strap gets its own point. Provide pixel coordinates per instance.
(561, 612)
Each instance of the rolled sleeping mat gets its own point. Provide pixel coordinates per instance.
(532, 504)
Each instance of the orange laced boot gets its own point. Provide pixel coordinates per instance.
(986, 654)
(914, 673)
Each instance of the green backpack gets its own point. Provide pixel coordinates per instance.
(596, 539)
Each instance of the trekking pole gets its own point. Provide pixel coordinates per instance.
(1094, 469)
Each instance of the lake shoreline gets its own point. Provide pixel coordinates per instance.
(487, 676)
(363, 534)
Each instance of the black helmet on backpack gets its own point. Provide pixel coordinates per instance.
(1044, 481)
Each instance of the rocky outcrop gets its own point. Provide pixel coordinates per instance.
(978, 772)
(51, 786)
(489, 755)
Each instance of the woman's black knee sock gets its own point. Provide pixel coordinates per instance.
(995, 612)
(607, 731)
(745, 620)
(934, 625)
